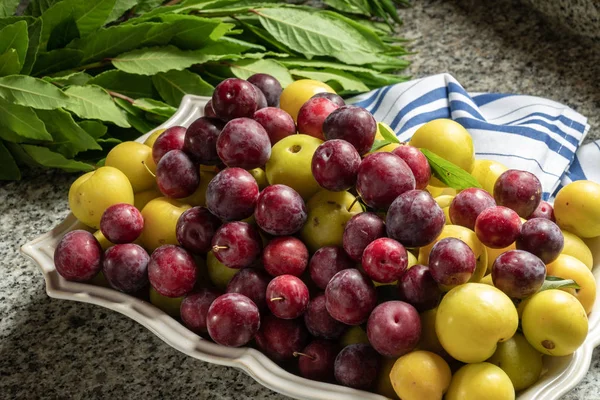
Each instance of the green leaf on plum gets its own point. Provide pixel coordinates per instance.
(449, 173)
(387, 133)
(555, 282)
(377, 144)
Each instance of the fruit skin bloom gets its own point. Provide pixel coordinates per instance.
(357, 366)
(335, 165)
(352, 124)
(78, 256)
(382, 177)
(244, 143)
(498, 227)
(233, 320)
(280, 210)
(350, 297)
(172, 271)
(415, 219)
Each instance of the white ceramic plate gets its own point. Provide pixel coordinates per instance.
(560, 374)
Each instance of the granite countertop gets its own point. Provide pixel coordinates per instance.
(59, 349)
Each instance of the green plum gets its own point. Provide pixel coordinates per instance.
(219, 274)
(521, 362)
(170, 305)
(290, 164)
(328, 213)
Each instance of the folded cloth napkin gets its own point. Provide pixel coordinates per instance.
(522, 132)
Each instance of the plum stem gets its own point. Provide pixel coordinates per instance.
(297, 353)
(356, 199)
(277, 299)
(216, 248)
(148, 169)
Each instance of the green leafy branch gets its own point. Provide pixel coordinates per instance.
(78, 77)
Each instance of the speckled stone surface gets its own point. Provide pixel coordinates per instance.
(505, 46)
(61, 350)
(581, 17)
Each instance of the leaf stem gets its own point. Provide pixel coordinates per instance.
(97, 64)
(121, 96)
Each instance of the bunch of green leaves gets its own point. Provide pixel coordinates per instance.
(78, 77)
(385, 9)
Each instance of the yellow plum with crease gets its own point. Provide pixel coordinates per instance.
(92, 193)
(472, 318)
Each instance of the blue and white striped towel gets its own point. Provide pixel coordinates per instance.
(522, 132)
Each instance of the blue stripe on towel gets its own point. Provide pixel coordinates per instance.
(544, 131)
